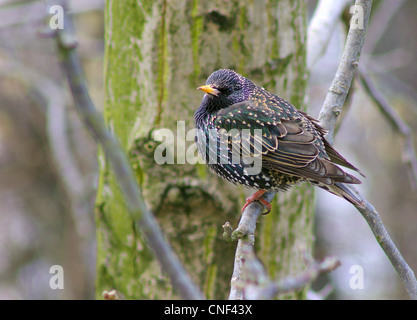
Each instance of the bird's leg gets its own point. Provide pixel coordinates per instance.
(257, 196)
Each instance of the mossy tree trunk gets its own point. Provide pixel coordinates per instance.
(157, 53)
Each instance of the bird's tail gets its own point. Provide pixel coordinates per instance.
(345, 192)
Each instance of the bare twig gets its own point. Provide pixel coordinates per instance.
(245, 232)
(26, 12)
(340, 86)
(247, 223)
(328, 116)
(238, 282)
(146, 223)
(320, 29)
(269, 289)
(394, 255)
(386, 11)
(70, 176)
(320, 295)
(252, 281)
(398, 124)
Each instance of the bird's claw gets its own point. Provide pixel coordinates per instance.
(257, 196)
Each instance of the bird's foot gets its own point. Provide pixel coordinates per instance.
(257, 196)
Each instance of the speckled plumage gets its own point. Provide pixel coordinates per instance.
(290, 143)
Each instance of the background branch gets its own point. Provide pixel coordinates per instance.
(64, 159)
(394, 255)
(328, 116)
(342, 81)
(321, 27)
(11, 14)
(289, 284)
(398, 124)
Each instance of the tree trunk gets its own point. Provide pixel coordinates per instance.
(157, 53)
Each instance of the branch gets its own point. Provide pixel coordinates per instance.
(29, 12)
(321, 27)
(271, 290)
(245, 232)
(250, 279)
(394, 255)
(253, 282)
(386, 11)
(145, 221)
(328, 115)
(342, 81)
(398, 124)
(47, 93)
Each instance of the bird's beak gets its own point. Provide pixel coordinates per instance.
(209, 89)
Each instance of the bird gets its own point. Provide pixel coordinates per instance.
(239, 122)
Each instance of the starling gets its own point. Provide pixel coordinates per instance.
(239, 122)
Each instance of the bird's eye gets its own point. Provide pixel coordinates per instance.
(224, 90)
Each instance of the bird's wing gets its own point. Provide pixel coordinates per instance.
(333, 155)
(288, 145)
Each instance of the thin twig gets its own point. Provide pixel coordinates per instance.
(342, 81)
(320, 295)
(245, 232)
(394, 255)
(52, 99)
(386, 11)
(328, 116)
(146, 223)
(247, 223)
(320, 29)
(398, 124)
(243, 250)
(266, 289)
(253, 282)
(28, 12)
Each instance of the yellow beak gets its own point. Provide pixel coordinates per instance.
(209, 89)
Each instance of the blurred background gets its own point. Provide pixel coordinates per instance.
(48, 159)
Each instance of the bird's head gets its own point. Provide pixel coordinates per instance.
(223, 88)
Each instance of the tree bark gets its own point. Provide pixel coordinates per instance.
(157, 53)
